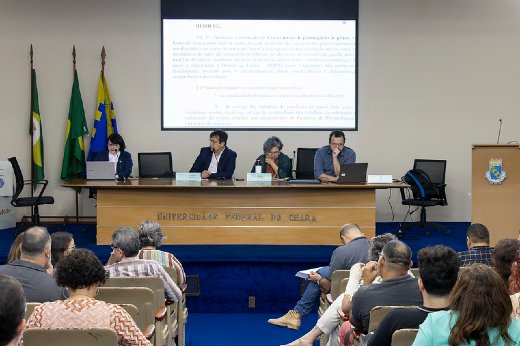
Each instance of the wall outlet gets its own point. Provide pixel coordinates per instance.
(251, 301)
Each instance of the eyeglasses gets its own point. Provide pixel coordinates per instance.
(111, 145)
(214, 142)
(113, 246)
(273, 152)
(337, 144)
(72, 247)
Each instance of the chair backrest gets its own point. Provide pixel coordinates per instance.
(404, 337)
(173, 273)
(305, 163)
(155, 165)
(154, 283)
(67, 337)
(29, 309)
(379, 312)
(142, 298)
(18, 177)
(337, 277)
(436, 169)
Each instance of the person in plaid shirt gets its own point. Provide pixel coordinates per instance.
(124, 261)
(479, 250)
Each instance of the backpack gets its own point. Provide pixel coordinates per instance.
(420, 183)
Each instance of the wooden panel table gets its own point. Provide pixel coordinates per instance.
(235, 212)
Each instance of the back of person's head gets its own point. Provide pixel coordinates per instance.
(60, 242)
(126, 240)
(336, 134)
(150, 234)
(377, 244)
(12, 309)
(116, 138)
(80, 269)
(481, 300)
(14, 252)
(35, 241)
(397, 255)
(222, 135)
(514, 281)
(350, 230)
(439, 269)
(503, 257)
(478, 233)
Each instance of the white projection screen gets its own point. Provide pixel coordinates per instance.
(259, 65)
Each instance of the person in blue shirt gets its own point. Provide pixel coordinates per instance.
(328, 159)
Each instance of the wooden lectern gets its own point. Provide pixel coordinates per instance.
(496, 205)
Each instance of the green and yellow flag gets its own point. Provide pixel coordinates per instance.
(35, 130)
(74, 155)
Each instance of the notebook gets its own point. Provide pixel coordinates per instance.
(101, 170)
(353, 173)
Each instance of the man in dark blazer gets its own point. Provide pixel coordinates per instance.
(217, 160)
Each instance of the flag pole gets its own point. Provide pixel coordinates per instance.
(75, 160)
(103, 56)
(31, 123)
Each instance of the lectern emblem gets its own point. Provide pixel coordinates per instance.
(495, 175)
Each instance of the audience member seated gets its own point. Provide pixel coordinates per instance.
(329, 322)
(151, 237)
(14, 252)
(479, 250)
(396, 288)
(62, 244)
(327, 159)
(273, 160)
(124, 261)
(504, 256)
(514, 286)
(115, 152)
(354, 250)
(216, 161)
(81, 273)
(38, 285)
(12, 310)
(480, 313)
(439, 269)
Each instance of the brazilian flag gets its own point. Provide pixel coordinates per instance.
(74, 154)
(35, 130)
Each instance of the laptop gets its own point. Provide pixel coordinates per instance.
(353, 173)
(101, 170)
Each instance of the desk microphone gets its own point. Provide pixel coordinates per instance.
(218, 167)
(499, 129)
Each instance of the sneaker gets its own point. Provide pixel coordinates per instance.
(292, 320)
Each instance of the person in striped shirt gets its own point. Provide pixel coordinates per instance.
(150, 238)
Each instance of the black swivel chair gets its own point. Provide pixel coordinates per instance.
(436, 171)
(155, 165)
(305, 163)
(33, 202)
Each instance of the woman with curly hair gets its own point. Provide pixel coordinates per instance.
(479, 313)
(150, 238)
(81, 273)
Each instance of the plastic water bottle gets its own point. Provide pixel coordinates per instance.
(258, 166)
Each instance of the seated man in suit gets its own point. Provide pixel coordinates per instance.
(217, 160)
(124, 261)
(35, 257)
(12, 310)
(327, 159)
(479, 250)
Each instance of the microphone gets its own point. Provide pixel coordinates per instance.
(218, 167)
(499, 129)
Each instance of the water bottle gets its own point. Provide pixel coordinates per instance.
(258, 166)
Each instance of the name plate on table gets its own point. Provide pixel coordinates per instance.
(188, 176)
(188, 183)
(259, 183)
(259, 177)
(379, 179)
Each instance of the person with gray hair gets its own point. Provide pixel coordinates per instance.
(273, 160)
(12, 310)
(124, 261)
(30, 269)
(150, 238)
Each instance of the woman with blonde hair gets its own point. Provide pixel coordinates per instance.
(479, 313)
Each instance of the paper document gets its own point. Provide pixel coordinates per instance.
(304, 274)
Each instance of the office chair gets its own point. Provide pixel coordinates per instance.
(436, 171)
(305, 163)
(155, 165)
(33, 202)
